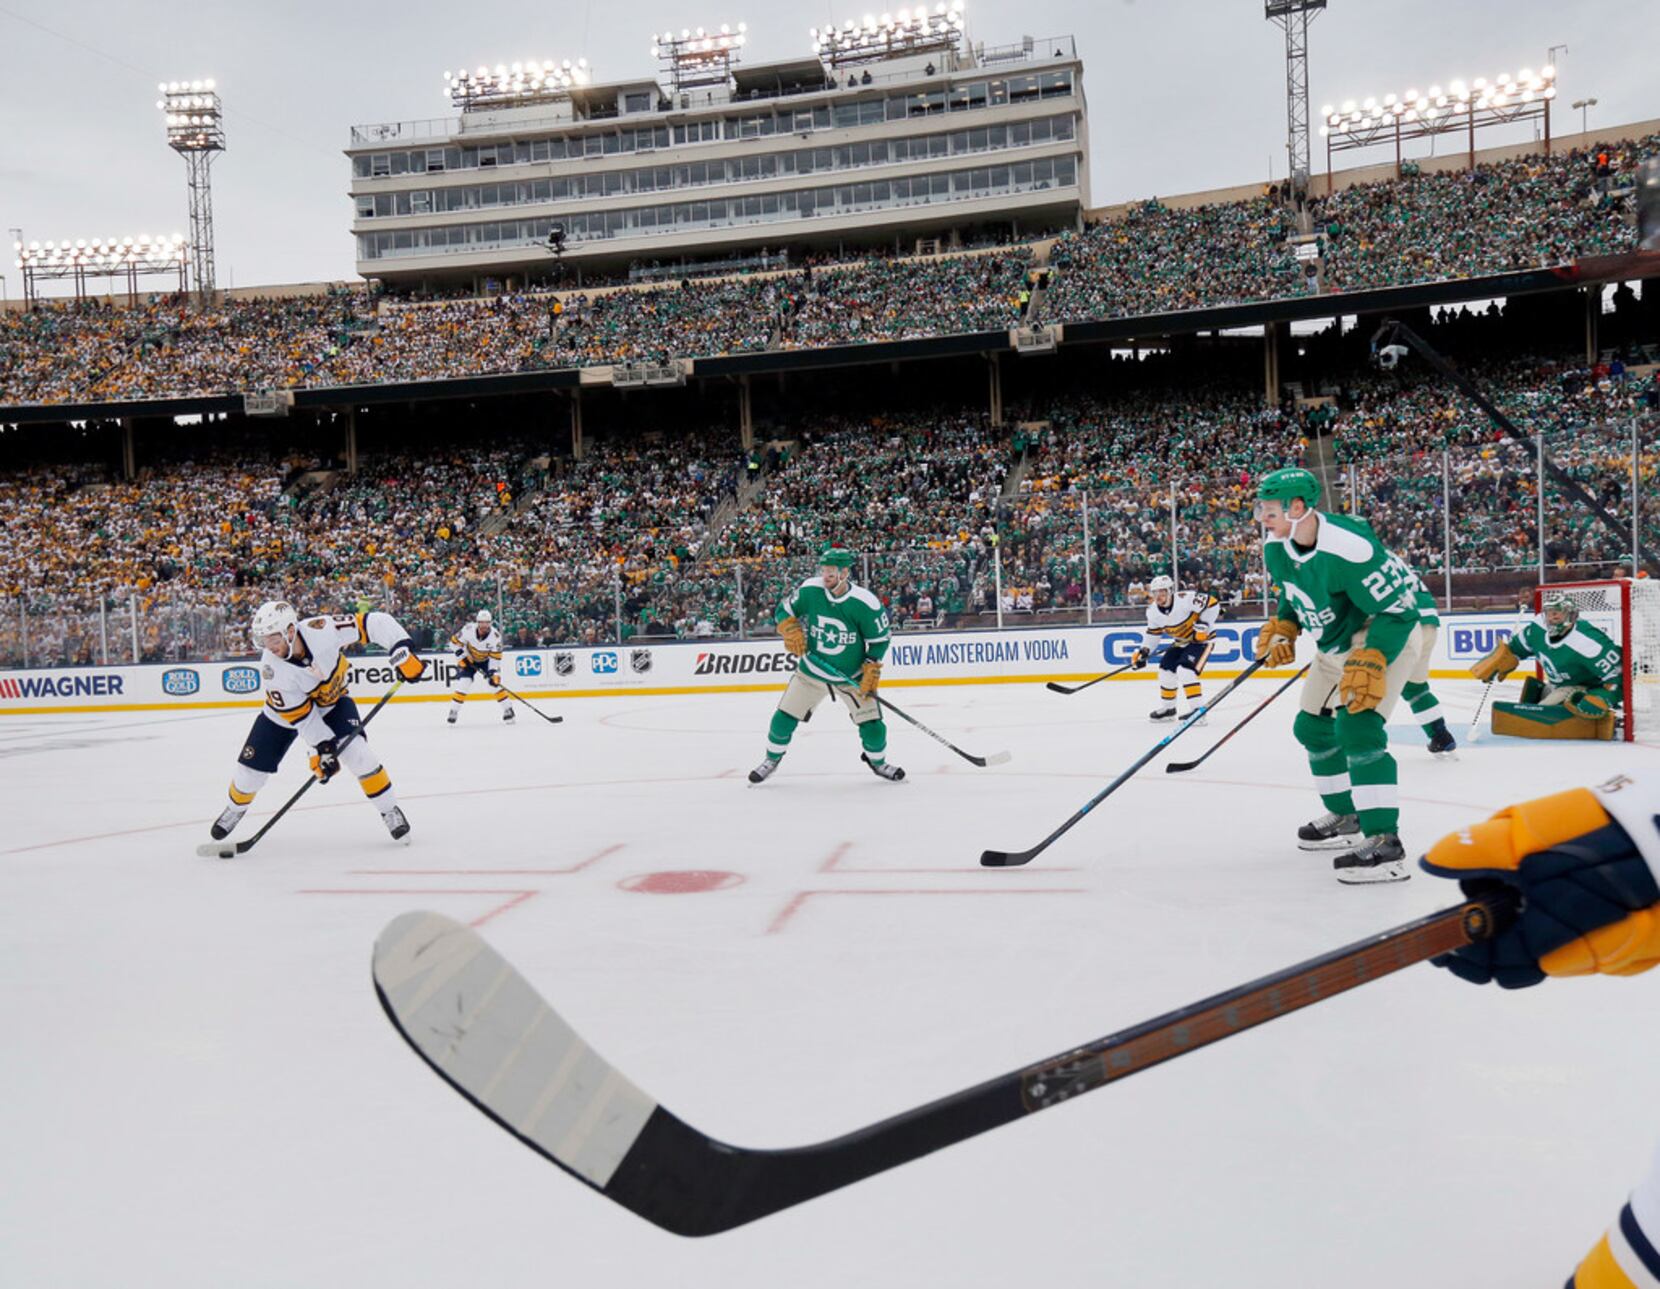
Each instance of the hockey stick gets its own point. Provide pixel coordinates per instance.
(996, 758)
(1181, 767)
(231, 849)
(1475, 721)
(1006, 859)
(487, 1033)
(551, 720)
(1078, 689)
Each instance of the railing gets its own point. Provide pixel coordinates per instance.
(1472, 520)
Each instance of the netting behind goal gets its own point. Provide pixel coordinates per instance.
(1629, 611)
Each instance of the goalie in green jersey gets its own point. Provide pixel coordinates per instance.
(1583, 681)
(1360, 602)
(839, 632)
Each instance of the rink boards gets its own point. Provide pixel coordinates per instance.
(1011, 656)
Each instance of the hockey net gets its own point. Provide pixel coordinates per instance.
(1628, 610)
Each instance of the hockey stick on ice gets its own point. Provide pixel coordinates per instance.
(1474, 735)
(551, 720)
(487, 1033)
(1007, 859)
(231, 849)
(1078, 689)
(996, 758)
(1181, 767)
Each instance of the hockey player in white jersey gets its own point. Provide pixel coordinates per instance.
(1184, 623)
(305, 672)
(477, 653)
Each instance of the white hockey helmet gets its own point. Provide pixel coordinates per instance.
(484, 619)
(273, 618)
(1160, 583)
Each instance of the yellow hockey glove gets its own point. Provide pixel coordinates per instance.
(1589, 900)
(1277, 642)
(794, 636)
(870, 675)
(1496, 665)
(1363, 683)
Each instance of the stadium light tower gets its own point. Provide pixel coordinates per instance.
(1294, 16)
(196, 131)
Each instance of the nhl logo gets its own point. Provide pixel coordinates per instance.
(564, 664)
(639, 661)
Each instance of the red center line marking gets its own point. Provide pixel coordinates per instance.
(518, 896)
(796, 901)
(491, 872)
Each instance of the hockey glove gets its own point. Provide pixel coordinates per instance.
(325, 760)
(1496, 665)
(1589, 899)
(1592, 704)
(494, 677)
(794, 636)
(1364, 680)
(1277, 642)
(407, 661)
(1138, 660)
(870, 675)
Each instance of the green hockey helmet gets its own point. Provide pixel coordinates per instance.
(1288, 484)
(836, 557)
(1560, 613)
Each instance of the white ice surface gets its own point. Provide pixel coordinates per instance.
(197, 1087)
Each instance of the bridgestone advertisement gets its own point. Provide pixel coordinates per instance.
(1024, 656)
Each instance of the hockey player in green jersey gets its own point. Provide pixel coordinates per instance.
(1337, 582)
(1416, 692)
(839, 631)
(1582, 666)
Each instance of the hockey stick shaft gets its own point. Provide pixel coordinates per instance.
(227, 850)
(428, 970)
(551, 720)
(996, 758)
(1180, 767)
(1078, 689)
(1474, 735)
(1006, 859)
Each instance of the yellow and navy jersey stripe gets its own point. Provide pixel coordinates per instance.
(291, 715)
(1625, 1258)
(474, 653)
(1191, 627)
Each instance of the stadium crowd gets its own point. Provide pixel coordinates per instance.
(1529, 211)
(661, 535)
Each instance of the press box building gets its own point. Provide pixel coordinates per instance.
(893, 132)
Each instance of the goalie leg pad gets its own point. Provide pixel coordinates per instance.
(1538, 720)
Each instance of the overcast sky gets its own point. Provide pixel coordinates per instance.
(1183, 94)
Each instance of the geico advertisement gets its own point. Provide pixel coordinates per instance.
(987, 656)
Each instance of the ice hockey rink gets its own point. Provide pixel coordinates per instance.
(198, 1087)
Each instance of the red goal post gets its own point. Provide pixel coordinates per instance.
(1628, 610)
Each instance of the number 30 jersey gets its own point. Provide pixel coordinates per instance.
(1345, 584)
(300, 689)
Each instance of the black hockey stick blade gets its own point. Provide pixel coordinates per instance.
(551, 720)
(1075, 689)
(1181, 767)
(1007, 859)
(486, 1032)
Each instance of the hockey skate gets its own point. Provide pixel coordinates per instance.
(1441, 742)
(507, 716)
(396, 823)
(451, 718)
(1376, 859)
(1328, 832)
(1204, 717)
(227, 822)
(1163, 713)
(763, 772)
(892, 773)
